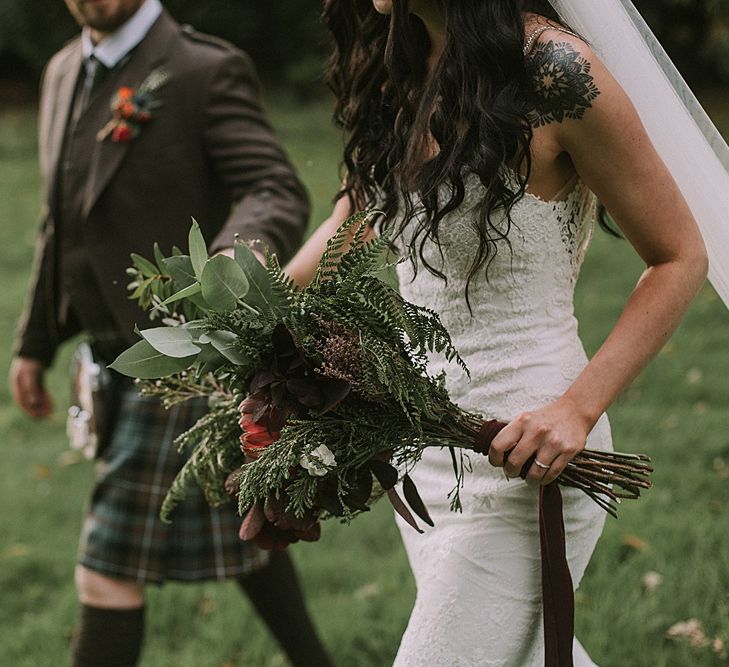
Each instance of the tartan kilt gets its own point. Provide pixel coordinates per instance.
(123, 535)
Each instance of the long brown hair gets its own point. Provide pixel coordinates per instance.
(473, 106)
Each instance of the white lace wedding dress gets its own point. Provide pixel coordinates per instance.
(478, 573)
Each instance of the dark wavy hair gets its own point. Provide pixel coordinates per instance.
(474, 106)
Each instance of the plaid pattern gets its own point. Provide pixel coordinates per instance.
(123, 535)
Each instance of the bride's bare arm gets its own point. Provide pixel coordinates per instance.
(595, 123)
(303, 265)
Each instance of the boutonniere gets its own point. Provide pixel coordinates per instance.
(133, 107)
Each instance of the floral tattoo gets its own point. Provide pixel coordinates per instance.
(562, 84)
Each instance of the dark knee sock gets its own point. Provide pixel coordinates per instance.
(108, 637)
(276, 595)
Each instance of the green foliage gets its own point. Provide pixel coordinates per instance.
(180, 269)
(185, 293)
(283, 288)
(144, 361)
(261, 294)
(224, 284)
(226, 342)
(336, 247)
(198, 250)
(171, 341)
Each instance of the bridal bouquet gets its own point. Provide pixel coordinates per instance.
(320, 399)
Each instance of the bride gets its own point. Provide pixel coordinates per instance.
(488, 132)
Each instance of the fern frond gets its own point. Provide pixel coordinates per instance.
(282, 285)
(336, 245)
(363, 259)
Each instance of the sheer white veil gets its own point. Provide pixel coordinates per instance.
(689, 143)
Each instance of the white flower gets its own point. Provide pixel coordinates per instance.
(318, 461)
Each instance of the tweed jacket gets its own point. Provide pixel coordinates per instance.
(207, 153)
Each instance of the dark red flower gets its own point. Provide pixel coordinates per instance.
(257, 434)
(122, 133)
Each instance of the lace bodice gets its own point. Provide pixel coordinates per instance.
(522, 315)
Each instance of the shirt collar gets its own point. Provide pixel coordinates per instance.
(112, 49)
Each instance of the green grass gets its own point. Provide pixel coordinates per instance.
(357, 580)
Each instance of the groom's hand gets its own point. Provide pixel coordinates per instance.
(29, 392)
(553, 435)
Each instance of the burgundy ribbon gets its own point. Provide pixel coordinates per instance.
(557, 594)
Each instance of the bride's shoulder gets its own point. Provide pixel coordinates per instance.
(542, 36)
(540, 29)
(565, 73)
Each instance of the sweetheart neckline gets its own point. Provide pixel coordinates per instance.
(579, 185)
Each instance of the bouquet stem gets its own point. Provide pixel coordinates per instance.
(606, 477)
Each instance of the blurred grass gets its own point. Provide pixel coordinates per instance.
(357, 580)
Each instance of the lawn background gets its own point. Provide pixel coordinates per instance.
(357, 580)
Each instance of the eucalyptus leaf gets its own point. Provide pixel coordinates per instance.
(144, 265)
(171, 341)
(260, 292)
(186, 293)
(198, 249)
(223, 283)
(159, 258)
(143, 361)
(225, 342)
(139, 288)
(180, 269)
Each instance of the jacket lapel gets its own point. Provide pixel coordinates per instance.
(107, 155)
(54, 116)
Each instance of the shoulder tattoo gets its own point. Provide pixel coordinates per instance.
(562, 85)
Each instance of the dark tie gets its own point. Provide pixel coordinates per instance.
(95, 73)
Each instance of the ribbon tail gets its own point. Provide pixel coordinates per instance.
(557, 592)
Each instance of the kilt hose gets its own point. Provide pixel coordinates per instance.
(123, 535)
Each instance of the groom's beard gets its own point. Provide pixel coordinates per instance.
(103, 16)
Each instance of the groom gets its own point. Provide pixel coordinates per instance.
(194, 142)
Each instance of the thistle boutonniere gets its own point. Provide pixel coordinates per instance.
(132, 107)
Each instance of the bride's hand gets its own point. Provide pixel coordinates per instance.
(556, 433)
